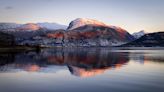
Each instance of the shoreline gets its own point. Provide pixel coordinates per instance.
(36, 48)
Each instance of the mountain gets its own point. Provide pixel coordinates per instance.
(80, 32)
(148, 40)
(27, 31)
(52, 26)
(88, 32)
(138, 34)
(84, 32)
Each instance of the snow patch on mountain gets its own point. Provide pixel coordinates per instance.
(138, 34)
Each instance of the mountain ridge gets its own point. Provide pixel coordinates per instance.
(16, 26)
(155, 39)
(80, 32)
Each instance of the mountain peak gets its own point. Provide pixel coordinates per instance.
(84, 21)
(29, 26)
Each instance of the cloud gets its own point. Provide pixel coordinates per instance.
(8, 7)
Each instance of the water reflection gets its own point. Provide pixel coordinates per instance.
(80, 62)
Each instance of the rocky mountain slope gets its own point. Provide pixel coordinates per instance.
(88, 32)
(80, 32)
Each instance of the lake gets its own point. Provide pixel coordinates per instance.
(83, 70)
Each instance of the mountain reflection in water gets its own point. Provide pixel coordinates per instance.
(80, 62)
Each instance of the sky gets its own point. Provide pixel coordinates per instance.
(132, 15)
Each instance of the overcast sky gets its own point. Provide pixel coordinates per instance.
(132, 15)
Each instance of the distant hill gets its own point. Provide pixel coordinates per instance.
(52, 26)
(148, 40)
(30, 26)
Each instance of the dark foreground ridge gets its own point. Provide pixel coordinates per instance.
(148, 40)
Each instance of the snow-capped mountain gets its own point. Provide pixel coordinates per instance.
(52, 26)
(88, 32)
(84, 21)
(81, 32)
(138, 34)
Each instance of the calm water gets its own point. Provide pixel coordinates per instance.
(82, 70)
